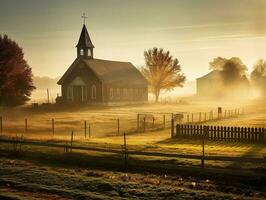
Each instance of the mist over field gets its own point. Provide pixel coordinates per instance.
(120, 99)
(42, 84)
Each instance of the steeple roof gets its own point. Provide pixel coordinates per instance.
(84, 39)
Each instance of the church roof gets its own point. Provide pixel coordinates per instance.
(109, 71)
(215, 74)
(84, 39)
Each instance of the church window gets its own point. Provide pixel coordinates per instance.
(85, 90)
(93, 92)
(135, 92)
(130, 93)
(118, 93)
(111, 93)
(69, 93)
(82, 52)
(140, 92)
(125, 93)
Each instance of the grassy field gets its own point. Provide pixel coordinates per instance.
(91, 175)
(156, 141)
(102, 120)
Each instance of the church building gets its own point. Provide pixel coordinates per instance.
(89, 80)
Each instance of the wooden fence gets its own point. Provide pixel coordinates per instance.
(125, 152)
(221, 133)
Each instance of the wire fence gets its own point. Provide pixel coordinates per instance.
(104, 125)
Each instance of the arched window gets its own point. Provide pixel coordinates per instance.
(130, 93)
(125, 93)
(93, 92)
(111, 93)
(69, 93)
(136, 92)
(118, 93)
(82, 52)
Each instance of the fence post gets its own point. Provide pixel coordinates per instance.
(177, 130)
(172, 126)
(66, 148)
(26, 126)
(191, 117)
(205, 131)
(163, 121)
(188, 118)
(205, 117)
(263, 135)
(85, 128)
(1, 125)
(137, 122)
(89, 130)
(199, 117)
(118, 127)
(144, 123)
(53, 126)
(71, 142)
(125, 151)
(20, 143)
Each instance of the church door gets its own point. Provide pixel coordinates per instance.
(77, 93)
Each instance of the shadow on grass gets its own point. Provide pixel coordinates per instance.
(254, 151)
(116, 162)
(220, 144)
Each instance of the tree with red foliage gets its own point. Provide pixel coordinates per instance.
(16, 83)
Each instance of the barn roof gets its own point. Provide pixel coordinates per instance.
(109, 71)
(84, 39)
(215, 74)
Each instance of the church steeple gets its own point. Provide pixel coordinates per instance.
(85, 46)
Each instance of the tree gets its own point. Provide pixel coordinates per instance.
(232, 70)
(162, 71)
(16, 82)
(259, 70)
(258, 75)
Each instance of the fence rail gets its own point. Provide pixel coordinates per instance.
(18, 141)
(221, 133)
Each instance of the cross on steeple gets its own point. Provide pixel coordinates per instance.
(84, 46)
(84, 17)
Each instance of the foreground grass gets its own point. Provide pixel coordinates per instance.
(20, 177)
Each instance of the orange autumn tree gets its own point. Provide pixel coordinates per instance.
(16, 82)
(162, 71)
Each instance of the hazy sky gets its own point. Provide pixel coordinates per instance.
(195, 31)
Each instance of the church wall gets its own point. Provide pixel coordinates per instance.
(209, 87)
(84, 77)
(126, 93)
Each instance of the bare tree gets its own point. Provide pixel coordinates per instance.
(162, 71)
